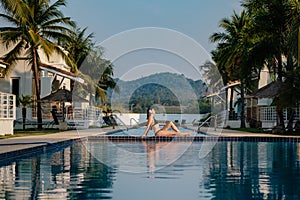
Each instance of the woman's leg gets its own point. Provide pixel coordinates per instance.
(172, 133)
(165, 133)
(170, 125)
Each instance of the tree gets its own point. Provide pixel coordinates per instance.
(35, 26)
(98, 73)
(78, 47)
(234, 51)
(26, 101)
(276, 22)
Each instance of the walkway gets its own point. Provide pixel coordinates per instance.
(12, 147)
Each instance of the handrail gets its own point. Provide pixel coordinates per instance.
(206, 122)
(118, 118)
(133, 119)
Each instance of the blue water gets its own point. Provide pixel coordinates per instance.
(139, 131)
(232, 170)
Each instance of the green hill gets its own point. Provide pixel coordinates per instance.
(168, 89)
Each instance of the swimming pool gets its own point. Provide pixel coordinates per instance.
(232, 170)
(140, 130)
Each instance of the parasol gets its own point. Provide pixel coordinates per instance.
(63, 95)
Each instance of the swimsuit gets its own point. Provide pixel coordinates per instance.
(155, 123)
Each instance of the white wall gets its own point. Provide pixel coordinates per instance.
(265, 77)
(133, 118)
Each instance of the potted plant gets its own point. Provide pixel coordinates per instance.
(26, 101)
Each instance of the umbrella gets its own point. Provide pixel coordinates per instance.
(63, 95)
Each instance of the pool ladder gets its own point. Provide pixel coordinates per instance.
(206, 122)
(132, 119)
(123, 123)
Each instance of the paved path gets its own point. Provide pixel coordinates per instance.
(27, 142)
(234, 133)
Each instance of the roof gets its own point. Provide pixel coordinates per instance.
(63, 95)
(3, 64)
(61, 72)
(229, 85)
(268, 91)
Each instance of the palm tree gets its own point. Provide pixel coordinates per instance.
(98, 74)
(276, 23)
(25, 101)
(35, 25)
(78, 47)
(234, 51)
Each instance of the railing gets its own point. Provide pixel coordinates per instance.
(118, 118)
(132, 119)
(88, 113)
(7, 106)
(210, 121)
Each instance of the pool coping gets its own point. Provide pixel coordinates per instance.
(195, 138)
(13, 148)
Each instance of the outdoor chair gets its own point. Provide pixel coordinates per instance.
(110, 120)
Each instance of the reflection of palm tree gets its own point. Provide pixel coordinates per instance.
(96, 176)
(36, 179)
(36, 25)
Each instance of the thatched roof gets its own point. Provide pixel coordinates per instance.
(63, 95)
(268, 91)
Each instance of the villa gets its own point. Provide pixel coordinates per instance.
(260, 112)
(54, 74)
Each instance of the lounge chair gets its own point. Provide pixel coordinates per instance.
(110, 120)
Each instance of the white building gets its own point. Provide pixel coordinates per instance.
(7, 108)
(54, 74)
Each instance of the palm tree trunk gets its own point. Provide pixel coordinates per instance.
(243, 120)
(299, 46)
(231, 111)
(37, 87)
(279, 107)
(24, 117)
(291, 115)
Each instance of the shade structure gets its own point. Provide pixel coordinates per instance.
(63, 95)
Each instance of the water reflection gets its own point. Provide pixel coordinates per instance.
(253, 171)
(232, 170)
(71, 173)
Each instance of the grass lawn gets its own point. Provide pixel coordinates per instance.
(30, 132)
(251, 130)
(255, 130)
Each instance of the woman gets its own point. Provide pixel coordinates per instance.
(164, 131)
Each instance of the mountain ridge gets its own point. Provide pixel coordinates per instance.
(162, 88)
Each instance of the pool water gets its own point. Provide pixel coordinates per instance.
(139, 131)
(232, 170)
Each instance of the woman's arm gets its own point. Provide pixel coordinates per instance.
(148, 127)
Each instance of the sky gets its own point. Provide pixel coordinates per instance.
(194, 19)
